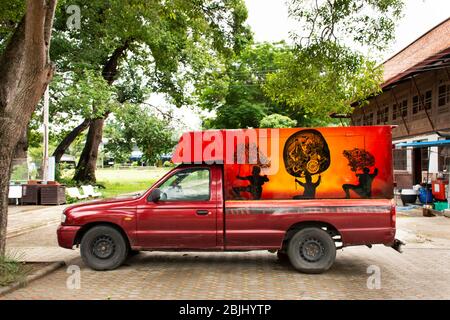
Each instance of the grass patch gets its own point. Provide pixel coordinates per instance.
(123, 181)
(12, 270)
(113, 189)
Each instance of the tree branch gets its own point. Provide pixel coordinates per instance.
(69, 138)
(110, 67)
(49, 18)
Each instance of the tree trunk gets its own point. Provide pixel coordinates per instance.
(68, 139)
(85, 171)
(21, 149)
(25, 72)
(5, 166)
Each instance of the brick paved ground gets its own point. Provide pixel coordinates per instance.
(26, 218)
(39, 243)
(422, 271)
(416, 274)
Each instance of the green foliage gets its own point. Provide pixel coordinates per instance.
(12, 270)
(363, 22)
(244, 115)
(86, 94)
(70, 200)
(236, 92)
(64, 174)
(277, 121)
(127, 50)
(168, 42)
(11, 12)
(168, 164)
(134, 125)
(325, 73)
(323, 78)
(19, 172)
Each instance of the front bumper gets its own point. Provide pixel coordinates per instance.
(66, 235)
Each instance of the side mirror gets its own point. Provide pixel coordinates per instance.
(155, 195)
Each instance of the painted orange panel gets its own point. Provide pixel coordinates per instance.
(320, 163)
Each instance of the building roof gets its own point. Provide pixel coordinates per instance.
(429, 50)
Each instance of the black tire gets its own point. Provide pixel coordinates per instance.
(103, 248)
(312, 250)
(282, 257)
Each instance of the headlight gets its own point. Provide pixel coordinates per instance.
(63, 218)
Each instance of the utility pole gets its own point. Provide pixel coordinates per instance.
(45, 155)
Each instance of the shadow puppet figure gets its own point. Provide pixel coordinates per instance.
(255, 186)
(364, 188)
(309, 186)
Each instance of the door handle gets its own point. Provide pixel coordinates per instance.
(202, 212)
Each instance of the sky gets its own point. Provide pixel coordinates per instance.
(270, 22)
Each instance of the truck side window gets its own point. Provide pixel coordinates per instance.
(187, 185)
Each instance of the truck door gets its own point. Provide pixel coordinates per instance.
(185, 215)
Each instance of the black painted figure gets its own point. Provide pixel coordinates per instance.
(255, 186)
(309, 186)
(364, 188)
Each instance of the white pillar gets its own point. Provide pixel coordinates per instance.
(45, 154)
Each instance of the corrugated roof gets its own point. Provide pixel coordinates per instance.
(427, 49)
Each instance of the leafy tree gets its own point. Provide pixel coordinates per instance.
(322, 79)
(134, 125)
(239, 93)
(235, 92)
(325, 73)
(277, 121)
(81, 97)
(25, 71)
(169, 43)
(243, 115)
(354, 22)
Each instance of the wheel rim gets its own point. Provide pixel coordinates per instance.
(103, 247)
(312, 250)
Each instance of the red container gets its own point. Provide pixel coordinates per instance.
(439, 189)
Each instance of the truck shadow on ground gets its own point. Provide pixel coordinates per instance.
(236, 262)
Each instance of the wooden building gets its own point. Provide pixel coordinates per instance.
(415, 98)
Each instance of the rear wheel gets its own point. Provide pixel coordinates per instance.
(103, 248)
(312, 250)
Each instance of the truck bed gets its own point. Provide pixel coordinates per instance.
(263, 223)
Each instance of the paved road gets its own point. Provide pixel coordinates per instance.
(23, 219)
(421, 272)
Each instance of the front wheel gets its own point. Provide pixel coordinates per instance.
(312, 250)
(103, 248)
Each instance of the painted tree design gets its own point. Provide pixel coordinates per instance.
(359, 159)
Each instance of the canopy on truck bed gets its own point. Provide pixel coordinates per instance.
(297, 163)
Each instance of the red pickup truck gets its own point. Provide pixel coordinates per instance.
(315, 191)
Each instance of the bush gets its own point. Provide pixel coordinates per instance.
(19, 171)
(277, 121)
(168, 164)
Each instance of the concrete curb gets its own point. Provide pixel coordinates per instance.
(39, 274)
